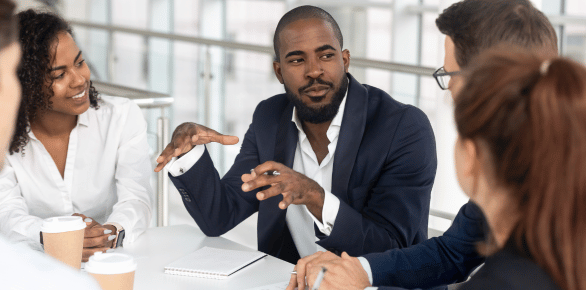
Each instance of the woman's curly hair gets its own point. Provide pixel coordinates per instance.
(38, 32)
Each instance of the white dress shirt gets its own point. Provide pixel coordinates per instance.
(299, 220)
(107, 175)
(25, 269)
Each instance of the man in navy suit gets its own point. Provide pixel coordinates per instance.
(471, 27)
(336, 165)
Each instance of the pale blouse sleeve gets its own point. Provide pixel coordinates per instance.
(133, 172)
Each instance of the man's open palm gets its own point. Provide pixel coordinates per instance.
(186, 136)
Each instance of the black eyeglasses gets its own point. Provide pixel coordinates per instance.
(443, 77)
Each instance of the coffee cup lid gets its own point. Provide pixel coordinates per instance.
(62, 224)
(110, 263)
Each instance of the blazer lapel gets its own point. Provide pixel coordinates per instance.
(271, 219)
(350, 137)
(291, 136)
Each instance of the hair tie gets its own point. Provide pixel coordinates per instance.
(544, 68)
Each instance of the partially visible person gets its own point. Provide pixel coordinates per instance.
(25, 269)
(72, 152)
(471, 27)
(520, 153)
(9, 86)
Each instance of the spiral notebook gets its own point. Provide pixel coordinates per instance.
(213, 263)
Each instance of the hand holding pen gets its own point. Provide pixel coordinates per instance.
(342, 273)
(295, 187)
(320, 277)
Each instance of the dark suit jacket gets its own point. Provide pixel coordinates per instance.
(510, 268)
(442, 260)
(384, 168)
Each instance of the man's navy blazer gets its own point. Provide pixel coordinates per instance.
(384, 167)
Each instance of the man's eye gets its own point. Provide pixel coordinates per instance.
(298, 60)
(329, 55)
(60, 76)
(81, 62)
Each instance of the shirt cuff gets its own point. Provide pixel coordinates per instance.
(178, 166)
(366, 266)
(328, 214)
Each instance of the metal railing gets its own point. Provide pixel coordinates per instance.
(356, 61)
(149, 100)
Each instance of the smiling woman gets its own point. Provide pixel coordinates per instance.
(43, 70)
(73, 152)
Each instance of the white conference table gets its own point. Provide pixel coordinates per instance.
(158, 247)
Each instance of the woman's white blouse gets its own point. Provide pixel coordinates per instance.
(107, 175)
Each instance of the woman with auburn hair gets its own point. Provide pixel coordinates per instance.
(520, 156)
(73, 152)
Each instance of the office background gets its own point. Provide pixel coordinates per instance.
(212, 62)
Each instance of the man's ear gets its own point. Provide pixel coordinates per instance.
(346, 59)
(277, 69)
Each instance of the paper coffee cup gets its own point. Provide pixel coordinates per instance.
(112, 270)
(63, 239)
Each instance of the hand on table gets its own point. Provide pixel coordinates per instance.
(186, 136)
(342, 272)
(295, 187)
(97, 237)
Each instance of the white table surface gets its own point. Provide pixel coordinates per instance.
(158, 247)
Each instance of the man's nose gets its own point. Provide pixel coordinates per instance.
(314, 69)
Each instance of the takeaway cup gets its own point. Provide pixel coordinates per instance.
(63, 239)
(113, 271)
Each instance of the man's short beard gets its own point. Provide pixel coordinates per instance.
(324, 113)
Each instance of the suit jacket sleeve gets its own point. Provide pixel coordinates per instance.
(396, 205)
(218, 205)
(443, 260)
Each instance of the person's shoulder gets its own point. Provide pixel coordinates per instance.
(384, 98)
(507, 269)
(386, 106)
(276, 101)
(116, 102)
(272, 107)
(115, 107)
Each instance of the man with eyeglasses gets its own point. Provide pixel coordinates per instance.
(443, 77)
(471, 27)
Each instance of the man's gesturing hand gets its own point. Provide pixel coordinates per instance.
(295, 187)
(188, 135)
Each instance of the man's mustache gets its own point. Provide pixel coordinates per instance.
(312, 82)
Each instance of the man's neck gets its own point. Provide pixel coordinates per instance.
(318, 138)
(316, 131)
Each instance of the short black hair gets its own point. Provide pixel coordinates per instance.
(476, 25)
(305, 12)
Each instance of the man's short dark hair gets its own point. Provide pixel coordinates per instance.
(476, 25)
(305, 12)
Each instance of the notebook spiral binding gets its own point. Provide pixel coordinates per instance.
(191, 273)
